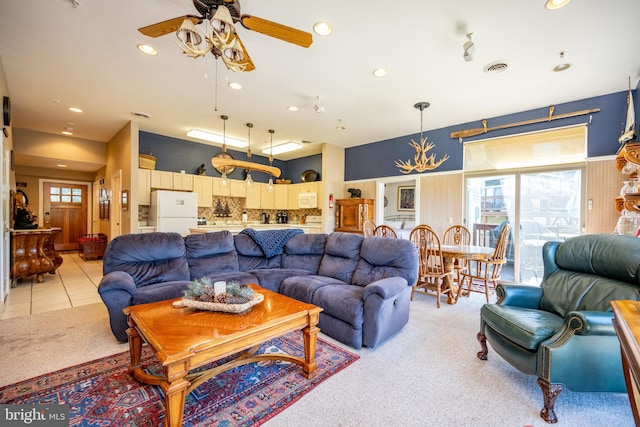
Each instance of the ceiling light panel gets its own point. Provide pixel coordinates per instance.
(282, 148)
(218, 139)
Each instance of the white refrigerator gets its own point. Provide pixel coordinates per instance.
(173, 211)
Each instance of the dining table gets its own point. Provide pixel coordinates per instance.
(468, 252)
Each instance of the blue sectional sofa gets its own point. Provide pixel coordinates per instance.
(363, 285)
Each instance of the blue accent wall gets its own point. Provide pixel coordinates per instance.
(377, 159)
(174, 155)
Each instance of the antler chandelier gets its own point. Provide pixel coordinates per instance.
(422, 161)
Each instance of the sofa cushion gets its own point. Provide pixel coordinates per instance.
(525, 326)
(241, 277)
(302, 288)
(304, 251)
(271, 278)
(341, 256)
(250, 256)
(382, 257)
(148, 257)
(343, 302)
(160, 292)
(210, 253)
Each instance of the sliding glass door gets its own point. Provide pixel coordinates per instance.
(539, 205)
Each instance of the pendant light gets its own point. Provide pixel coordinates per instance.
(224, 182)
(270, 185)
(249, 181)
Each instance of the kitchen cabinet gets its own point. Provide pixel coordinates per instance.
(234, 188)
(292, 196)
(182, 181)
(144, 187)
(294, 190)
(351, 213)
(281, 196)
(162, 180)
(203, 185)
(267, 198)
(253, 200)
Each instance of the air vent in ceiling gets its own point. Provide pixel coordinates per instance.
(496, 67)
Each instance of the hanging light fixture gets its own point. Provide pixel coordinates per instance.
(270, 187)
(249, 181)
(422, 161)
(224, 182)
(224, 163)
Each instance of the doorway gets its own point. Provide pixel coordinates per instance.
(65, 205)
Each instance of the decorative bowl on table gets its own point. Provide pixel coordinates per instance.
(219, 296)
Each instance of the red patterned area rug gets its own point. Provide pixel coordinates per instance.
(102, 393)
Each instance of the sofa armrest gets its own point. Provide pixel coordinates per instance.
(117, 280)
(590, 322)
(519, 295)
(385, 288)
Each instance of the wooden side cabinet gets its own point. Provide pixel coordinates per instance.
(627, 325)
(351, 213)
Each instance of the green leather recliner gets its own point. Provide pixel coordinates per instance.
(562, 331)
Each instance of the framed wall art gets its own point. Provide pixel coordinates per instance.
(406, 198)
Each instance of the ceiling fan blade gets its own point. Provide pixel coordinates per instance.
(168, 26)
(279, 31)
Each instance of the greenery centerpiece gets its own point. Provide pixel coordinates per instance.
(229, 297)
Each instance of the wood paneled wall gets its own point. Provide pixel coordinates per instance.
(603, 185)
(441, 200)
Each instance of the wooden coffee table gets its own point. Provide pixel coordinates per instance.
(184, 339)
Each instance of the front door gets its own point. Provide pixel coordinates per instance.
(66, 204)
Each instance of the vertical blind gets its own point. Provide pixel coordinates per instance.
(549, 147)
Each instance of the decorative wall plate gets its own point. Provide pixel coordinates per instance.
(309, 176)
(222, 169)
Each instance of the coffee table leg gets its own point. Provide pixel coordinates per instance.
(310, 335)
(175, 390)
(135, 347)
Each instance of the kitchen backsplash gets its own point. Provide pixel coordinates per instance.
(235, 207)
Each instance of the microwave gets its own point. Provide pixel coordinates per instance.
(307, 200)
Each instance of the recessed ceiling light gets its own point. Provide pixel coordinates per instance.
(235, 85)
(146, 49)
(75, 109)
(556, 4)
(292, 108)
(322, 28)
(379, 72)
(562, 67)
(60, 165)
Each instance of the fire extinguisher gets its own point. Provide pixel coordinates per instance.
(331, 201)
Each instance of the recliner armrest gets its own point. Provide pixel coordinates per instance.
(590, 322)
(519, 295)
(385, 288)
(117, 280)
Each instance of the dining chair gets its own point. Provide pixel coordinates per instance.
(483, 276)
(458, 235)
(368, 227)
(384, 231)
(431, 271)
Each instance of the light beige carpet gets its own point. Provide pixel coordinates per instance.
(427, 375)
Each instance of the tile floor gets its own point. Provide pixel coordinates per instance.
(74, 284)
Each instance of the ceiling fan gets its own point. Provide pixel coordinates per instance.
(219, 36)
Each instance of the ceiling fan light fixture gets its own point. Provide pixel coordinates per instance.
(322, 28)
(188, 34)
(218, 139)
(283, 148)
(221, 22)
